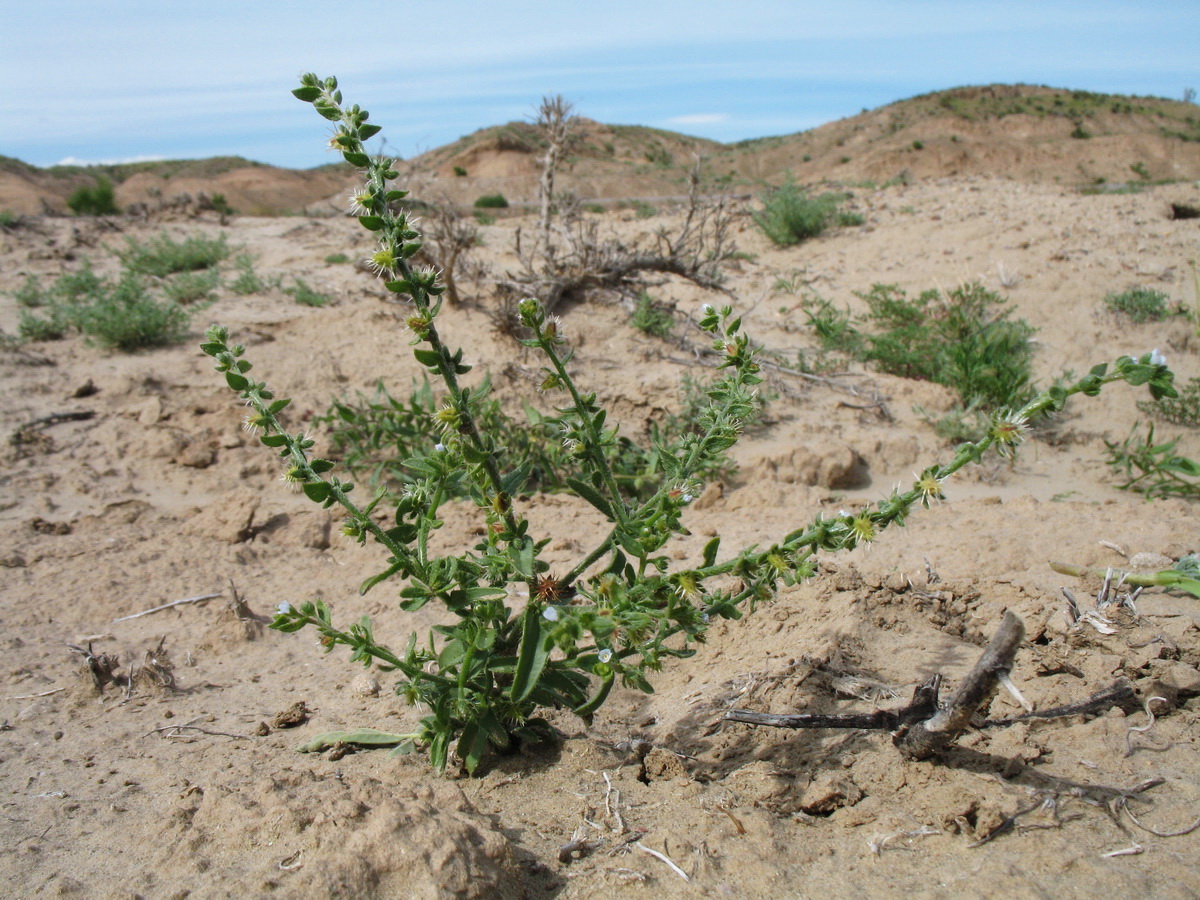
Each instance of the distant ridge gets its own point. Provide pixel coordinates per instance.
(1023, 132)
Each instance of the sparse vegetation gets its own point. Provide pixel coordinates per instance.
(162, 256)
(1181, 410)
(627, 605)
(652, 317)
(1154, 470)
(1139, 304)
(305, 295)
(337, 259)
(94, 200)
(791, 215)
(491, 201)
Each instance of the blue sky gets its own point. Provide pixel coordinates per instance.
(108, 80)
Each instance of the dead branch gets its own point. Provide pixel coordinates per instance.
(924, 726)
(927, 737)
(146, 612)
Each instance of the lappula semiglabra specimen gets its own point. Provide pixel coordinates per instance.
(622, 608)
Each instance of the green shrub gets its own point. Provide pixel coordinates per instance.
(35, 328)
(247, 281)
(460, 172)
(963, 341)
(1181, 410)
(31, 294)
(128, 318)
(305, 295)
(221, 205)
(1153, 469)
(162, 256)
(491, 201)
(483, 218)
(191, 287)
(337, 259)
(790, 215)
(10, 219)
(651, 317)
(93, 200)
(1139, 304)
(643, 210)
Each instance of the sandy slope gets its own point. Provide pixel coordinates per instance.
(160, 496)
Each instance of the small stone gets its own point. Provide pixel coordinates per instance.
(365, 686)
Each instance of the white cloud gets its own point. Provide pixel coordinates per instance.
(76, 161)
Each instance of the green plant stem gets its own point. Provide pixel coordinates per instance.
(593, 443)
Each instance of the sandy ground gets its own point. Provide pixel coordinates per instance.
(161, 496)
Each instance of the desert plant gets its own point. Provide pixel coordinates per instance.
(1153, 469)
(1181, 410)
(652, 317)
(625, 606)
(93, 200)
(247, 280)
(191, 287)
(302, 293)
(791, 215)
(491, 201)
(127, 318)
(1139, 304)
(337, 259)
(162, 256)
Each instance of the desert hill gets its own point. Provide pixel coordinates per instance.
(1028, 133)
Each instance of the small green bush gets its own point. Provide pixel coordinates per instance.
(483, 218)
(651, 317)
(128, 318)
(162, 256)
(644, 210)
(1181, 410)
(1139, 304)
(93, 200)
(10, 219)
(192, 287)
(34, 328)
(247, 280)
(1153, 469)
(491, 201)
(460, 172)
(963, 340)
(31, 294)
(305, 295)
(790, 215)
(337, 259)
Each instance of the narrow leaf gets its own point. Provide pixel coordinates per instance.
(531, 658)
(592, 496)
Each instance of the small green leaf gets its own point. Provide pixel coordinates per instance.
(321, 465)
(371, 223)
(274, 440)
(471, 745)
(592, 496)
(317, 491)
(598, 698)
(710, 551)
(366, 132)
(363, 737)
(236, 381)
(430, 358)
(307, 94)
(531, 658)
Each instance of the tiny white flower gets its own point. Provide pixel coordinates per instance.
(440, 448)
(687, 498)
(550, 614)
(707, 309)
(283, 608)
(1156, 358)
(605, 655)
